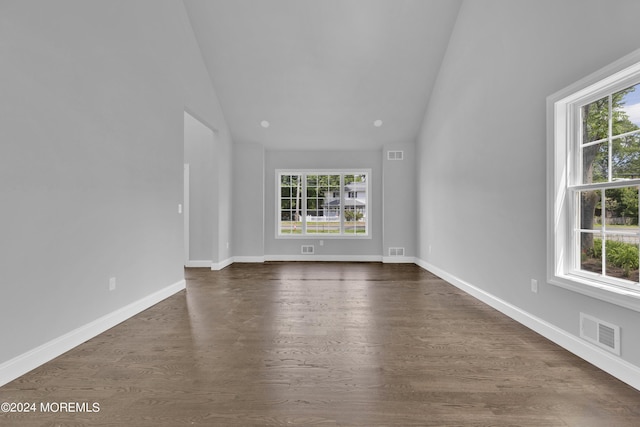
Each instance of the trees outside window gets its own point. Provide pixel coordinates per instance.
(323, 203)
(609, 144)
(593, 141)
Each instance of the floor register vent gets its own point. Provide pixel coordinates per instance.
(600, 333)
(396, 251)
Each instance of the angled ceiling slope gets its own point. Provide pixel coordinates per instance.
(322, 71)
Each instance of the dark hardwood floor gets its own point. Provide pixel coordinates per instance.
(361, 344)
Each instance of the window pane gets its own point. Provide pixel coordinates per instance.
(590, 242)
(591, 254)
(323, 225)
(626, 157)
(290, 221)
(622, 256)
(312, 192)
(621, 209)
(355, 204)
(331, 223)
(595, 163)
(324, 203)
(595, 120)
(626, 110)
(590, 210)
(354, 220)
(334, 180)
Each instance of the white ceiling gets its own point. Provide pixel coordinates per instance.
(322, 71)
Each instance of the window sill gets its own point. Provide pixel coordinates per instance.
(322, 237)
(610, 293)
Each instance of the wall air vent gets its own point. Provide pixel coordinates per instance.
(307, 249)
(600, 333)
(396, 251)
(395, 155)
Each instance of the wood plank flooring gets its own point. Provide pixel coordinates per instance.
(330, 344)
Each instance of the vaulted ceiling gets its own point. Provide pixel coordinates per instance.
(322, 71)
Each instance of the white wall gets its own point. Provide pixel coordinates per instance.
(199, 154)
(248, 201)
(393, 212)
(92, 96)
(399, 200)
(224, 154)
(481, 154)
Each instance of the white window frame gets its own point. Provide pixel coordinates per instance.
(323, 236)
(563, 130)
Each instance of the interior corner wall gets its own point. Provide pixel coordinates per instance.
(199, 149)
(225, 220)
(92, 96)
(399, 191)
(248, 201)
(482, 149)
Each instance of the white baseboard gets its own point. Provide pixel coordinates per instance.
(220, 265)
(329, 258)
(326, 258)
(399, 260)
(203, 263)
(604, 360)
(20, 365)
(249, 259)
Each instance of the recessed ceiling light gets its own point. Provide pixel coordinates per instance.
(377, 123)
(264, 124)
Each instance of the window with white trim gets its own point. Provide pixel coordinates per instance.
(594, 229)
(323, 203)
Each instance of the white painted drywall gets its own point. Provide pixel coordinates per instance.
(482, 150)
(92, 96)
(399, 199)
(199, 153)
(248, 200)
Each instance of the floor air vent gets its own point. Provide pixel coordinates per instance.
(600, 333)
(396, 251)
(307, 249)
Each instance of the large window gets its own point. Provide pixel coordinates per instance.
(323, 203)
(594, 229)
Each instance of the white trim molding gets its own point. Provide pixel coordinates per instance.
(399, 260)
(325, 258)
(198, 263)
(248, 259)
(20, 365)
(220, 265)
(604, 360)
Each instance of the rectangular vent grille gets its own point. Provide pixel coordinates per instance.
(395, 155)
(600, 333)
(606, 336)
(307, 249)
(396, 251)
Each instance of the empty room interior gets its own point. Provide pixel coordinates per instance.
(319, 212)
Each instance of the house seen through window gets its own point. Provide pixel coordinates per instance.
(322, 203)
